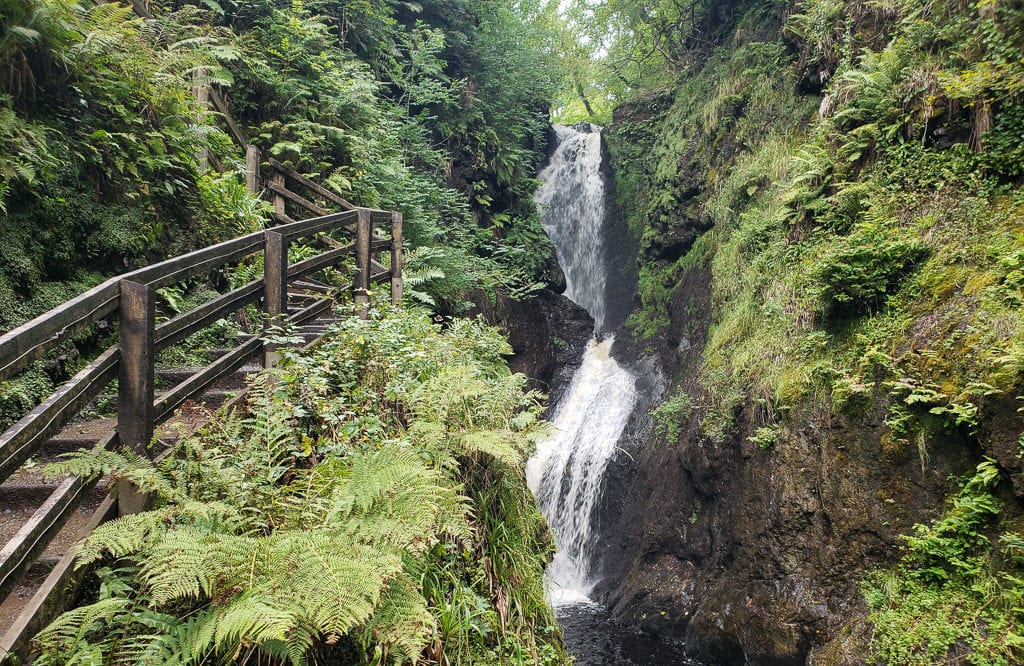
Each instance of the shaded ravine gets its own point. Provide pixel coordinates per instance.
(567, 472)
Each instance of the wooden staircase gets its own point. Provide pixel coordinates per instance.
(40, 519)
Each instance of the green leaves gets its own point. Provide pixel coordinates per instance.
(282, 533)
(861, 270)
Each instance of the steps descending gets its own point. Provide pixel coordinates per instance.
(26, 491)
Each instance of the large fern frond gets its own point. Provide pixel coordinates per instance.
(403, 624)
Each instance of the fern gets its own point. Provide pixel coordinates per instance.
(68, 634)
(402, 624)
(259, 549)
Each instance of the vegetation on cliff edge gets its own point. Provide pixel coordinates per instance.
(848, 174)
(368, 506)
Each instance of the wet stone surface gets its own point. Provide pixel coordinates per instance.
(595, 640)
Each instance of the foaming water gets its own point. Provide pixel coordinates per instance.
(566, 473)
(572, 200)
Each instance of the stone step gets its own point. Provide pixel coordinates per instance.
(13, 517)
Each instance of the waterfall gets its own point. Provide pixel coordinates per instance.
(566, 473)
(571, 198)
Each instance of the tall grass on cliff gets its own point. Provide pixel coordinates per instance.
(849, 176)
(368, 506)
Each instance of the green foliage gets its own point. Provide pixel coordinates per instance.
(393, 106)
(766, 437)
(671, 414)
(858, 274)
(370, 506)
(956, 593)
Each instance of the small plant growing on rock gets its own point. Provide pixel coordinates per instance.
(669, 415)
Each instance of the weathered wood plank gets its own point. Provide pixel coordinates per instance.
(315, 225)
(30, 341)
(311, 312)
(275, 287)
(234, 130)
(277, 180)
(135, 379)
(280, 190)
(19, 553)
(378, 272)
(309, 284)
(361, 283)
(396, 258)
(285, 220)
(316, 187)
(275, 274)
(193, 387)
(196, 263)
(252, 169)
(378, 216)
(58, 590)
(190, 322)
(319, 262)
(23, 438)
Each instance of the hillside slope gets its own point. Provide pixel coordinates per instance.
(829, 205)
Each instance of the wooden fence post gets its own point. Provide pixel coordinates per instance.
(361, 285)
(135, 380)
(202, 93)
(275, 286)
(396, 258)
(252, 169)
(278, 179)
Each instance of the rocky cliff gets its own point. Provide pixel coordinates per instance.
(830, 280)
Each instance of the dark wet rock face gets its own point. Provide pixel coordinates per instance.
(754, 556)
(548, 334)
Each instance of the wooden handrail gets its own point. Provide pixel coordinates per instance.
(132, 360)
(30, 341)
(309, 184)
(222, 108)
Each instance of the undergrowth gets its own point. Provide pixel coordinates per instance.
(368, 506)
(956, 596)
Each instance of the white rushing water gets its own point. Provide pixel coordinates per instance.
(566, 474)
(571, 198)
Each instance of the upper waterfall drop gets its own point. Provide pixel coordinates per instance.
(567, 471)
(572, 201)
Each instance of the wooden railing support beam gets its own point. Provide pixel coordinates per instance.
(135, 380)
(252, 169)
(201, 90)
(275, 280)
(361, 284)
(277, 179)
(396, 258)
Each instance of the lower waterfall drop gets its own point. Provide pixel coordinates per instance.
(567, 471)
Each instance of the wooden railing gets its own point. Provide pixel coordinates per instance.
(131, 298)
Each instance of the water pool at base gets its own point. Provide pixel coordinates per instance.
(596, 640)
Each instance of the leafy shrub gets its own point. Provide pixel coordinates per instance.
(955, 594)
(671, 414)
(861, 272)
(370, 508)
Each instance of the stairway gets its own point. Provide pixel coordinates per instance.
(26, 491)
